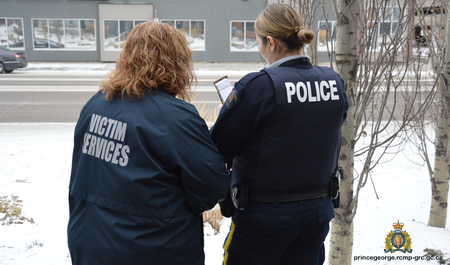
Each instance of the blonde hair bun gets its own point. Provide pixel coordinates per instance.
(284, 23)
(305, 36)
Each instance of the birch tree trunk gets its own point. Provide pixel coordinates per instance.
(440, 179)
(341, 239)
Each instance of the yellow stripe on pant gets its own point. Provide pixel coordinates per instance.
(227, 243)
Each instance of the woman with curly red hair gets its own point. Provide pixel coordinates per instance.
(155, 56)
(144, 166)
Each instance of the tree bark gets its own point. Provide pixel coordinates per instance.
(341, 240)
(343, 231)
(440, 179)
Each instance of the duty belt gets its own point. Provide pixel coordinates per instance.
(287, 196)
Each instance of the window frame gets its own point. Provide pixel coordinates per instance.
(381, 20)
(143, 20)
(64, 28)
(232, 49)
(378, 23)
(7, 37)
(332, 41)
(165, 20)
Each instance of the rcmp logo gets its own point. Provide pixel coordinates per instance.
(398, 240)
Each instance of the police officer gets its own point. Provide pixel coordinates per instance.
(144, 166)
(280, 127)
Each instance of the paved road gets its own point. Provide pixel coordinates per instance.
(57, 96)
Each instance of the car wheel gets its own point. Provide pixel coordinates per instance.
(2, 68)
(8, 71)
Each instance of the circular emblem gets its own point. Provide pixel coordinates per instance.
(398, 239)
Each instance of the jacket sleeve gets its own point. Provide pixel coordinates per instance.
(244, 113)
(204, 177)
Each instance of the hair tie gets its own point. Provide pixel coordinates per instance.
(296, 33)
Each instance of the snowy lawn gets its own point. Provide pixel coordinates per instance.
(35, 162)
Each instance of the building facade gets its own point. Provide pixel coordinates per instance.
(96, 31)
(429, 19)
(217, 30)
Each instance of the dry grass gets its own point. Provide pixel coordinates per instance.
(33, 244)
(214, 218)
(11, 210)
(210, 118)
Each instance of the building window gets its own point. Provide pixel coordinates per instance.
(64, 34)
(433, 10)
(11, 33)
(383, 24)
(117, 32)
(243, 37)
(194, 30)
(327, 36)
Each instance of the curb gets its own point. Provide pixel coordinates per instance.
(97, 66)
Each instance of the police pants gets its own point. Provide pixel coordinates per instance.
(279, 233)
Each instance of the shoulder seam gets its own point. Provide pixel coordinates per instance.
(255, 75)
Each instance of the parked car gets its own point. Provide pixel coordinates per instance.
(11, 60)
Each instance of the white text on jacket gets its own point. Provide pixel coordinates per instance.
(102, 147)
(324, 91)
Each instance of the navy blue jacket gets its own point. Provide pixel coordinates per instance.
(142, 173)
(281, 127)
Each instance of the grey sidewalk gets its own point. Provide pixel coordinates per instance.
(204, 69)
(98, 66)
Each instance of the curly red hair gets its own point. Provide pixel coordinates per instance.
(156, 56)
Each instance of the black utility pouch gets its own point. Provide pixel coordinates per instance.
(335, 186)
(226, 206)
(239, 195)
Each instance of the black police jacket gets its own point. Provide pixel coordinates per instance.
(281, 127)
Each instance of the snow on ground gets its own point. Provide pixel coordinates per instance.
(69, 66)
(35, 164)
